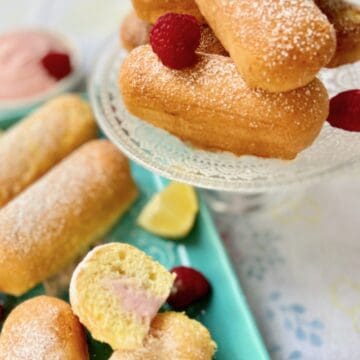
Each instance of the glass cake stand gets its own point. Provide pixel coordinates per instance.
(258, 181)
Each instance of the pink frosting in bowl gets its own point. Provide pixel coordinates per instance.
(23, 78)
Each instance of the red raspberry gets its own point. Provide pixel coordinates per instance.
(57, 64)
(345, 110)
(189, 286)
(174, 38)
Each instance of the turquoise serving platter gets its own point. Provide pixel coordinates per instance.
(225, 313)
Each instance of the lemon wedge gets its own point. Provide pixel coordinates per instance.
(172, 212)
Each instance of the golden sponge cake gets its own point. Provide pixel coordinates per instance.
(277, 45)
(151, 10)
(173, 333)
(43, 328)
(56, 219)
(346, 20)
(33, 146)
(116, 291)
(211, 106)
(135, 32)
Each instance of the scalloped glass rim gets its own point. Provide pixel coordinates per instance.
(335, 150)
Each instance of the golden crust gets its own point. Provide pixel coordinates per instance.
(175, 334)
(150, 11)
(104, 308)
(33, 146)
(277, 45)
(43, 328)
(346, 20)
(209, 43)
(211, 106)
(134, 32)
(58, 217)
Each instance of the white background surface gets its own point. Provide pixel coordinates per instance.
(300, 268)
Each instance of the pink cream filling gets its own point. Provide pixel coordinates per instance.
(133, 299)
(21, 72)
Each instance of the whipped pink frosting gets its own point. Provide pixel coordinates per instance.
(21, 72)
(134, 299)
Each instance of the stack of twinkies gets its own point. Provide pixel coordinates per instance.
(236, 76)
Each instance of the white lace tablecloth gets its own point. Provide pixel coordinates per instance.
(299, 267)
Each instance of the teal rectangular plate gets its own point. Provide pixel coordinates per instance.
(226, 313)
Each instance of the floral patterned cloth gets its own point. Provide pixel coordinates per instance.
(299, 266)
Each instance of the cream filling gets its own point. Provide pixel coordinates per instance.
(134, 299)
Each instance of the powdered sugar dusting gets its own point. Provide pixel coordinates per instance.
(215, 84)
(209, 43)
(280, 30)
(39, 338)
(67, 122)
(42, 215)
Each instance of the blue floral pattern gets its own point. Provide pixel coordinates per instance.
(259, 251)
(294, 319)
